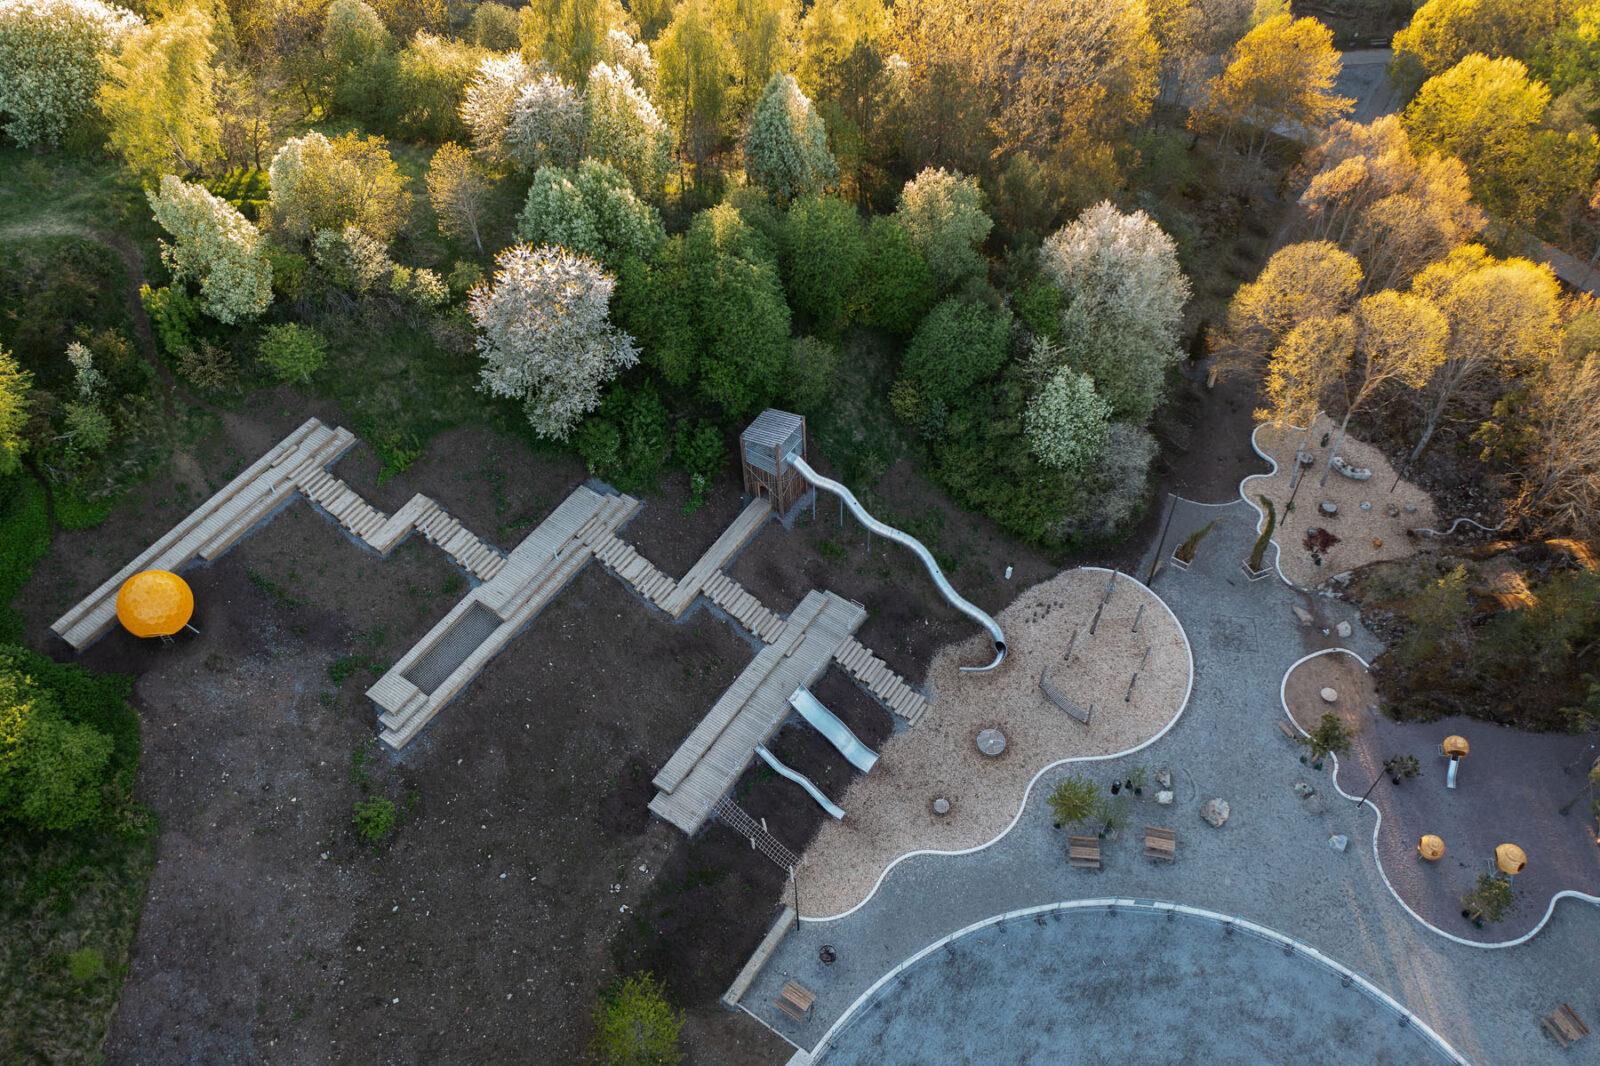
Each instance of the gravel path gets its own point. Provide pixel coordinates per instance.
(890, 809)
(1364, 536)
(1510, 788)
(1271, 863)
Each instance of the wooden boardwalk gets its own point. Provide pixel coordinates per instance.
(716, 752)
(461, 644)
(894, 691)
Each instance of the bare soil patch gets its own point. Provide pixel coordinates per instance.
(1362, 535)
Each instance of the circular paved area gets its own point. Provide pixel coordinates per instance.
(1080, 986)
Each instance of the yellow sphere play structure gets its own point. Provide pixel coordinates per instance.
(1510, 859)
(1431, 847)
(154, 603)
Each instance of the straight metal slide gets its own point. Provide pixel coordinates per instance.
(827, 723)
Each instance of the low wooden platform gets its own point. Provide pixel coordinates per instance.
(456, 649)
(894, 691)
(716, 752)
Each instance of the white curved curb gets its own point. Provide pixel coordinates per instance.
(1261, 931)
(1027, 792)
(1261, 516)
(1566, 893)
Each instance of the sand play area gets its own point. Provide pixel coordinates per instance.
(891, 811)
(1366, 534)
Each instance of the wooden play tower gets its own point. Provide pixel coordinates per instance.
(763, 448)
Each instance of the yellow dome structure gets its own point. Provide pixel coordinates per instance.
(1454, 747)
(1431, 847)
(1510, 859)
(154, 603)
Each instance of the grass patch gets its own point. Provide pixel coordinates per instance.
(24, 538)
(280, 595)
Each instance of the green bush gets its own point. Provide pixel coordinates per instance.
(246, 188)
(700, 452)
(634, 1025)
(375, 819)
(24, 538)
(1074, 800)
(1038, 306)
(957, 346)
(599, 444)
(1489, 899)
(293, 352)
(174, 314)
(813, 374)
(85, 965)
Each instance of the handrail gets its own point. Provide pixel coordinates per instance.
(802, 780)
(956, 599)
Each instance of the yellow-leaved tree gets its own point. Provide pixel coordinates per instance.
(1309, 280)
(158, 98)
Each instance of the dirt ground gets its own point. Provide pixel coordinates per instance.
(526, 871)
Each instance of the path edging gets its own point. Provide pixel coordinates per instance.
(1566, 893)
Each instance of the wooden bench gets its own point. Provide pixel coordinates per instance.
(1084, 852)
(1160, 843)
(1564, 1026)
(795, 1000)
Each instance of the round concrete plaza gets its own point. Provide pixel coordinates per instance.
(1080, 984)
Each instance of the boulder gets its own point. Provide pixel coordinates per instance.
(1328, 507)
(1338, 842)
(1163, 778)
(1329, 695)
(1303, 790)
(1164, 797)
(1354, 473)
(1302, 614)
(1314, 803)
(1343, 629)
(1215, 812)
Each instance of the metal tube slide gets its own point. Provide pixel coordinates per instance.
(956, 599)
(802, 780)
(827, 723)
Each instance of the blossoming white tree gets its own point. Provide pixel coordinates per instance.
(786, 150)
(546, 335)
(1067, 423)
(487, 104)
(544, 126)
(625, 130)
(50, 62)
(214, 246)
(1125, 297)
(943, 212)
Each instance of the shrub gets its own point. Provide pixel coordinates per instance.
(592, 211)
(173, 313)
(635, 1025)
(320, 184)
(1038, 307)
(1329, 737)
(358, 61)
(1191, 544)
(15, 384)
(293, 352)
(1489, 900)
(1258, 552)
(53, 767)
(1074, 800)
(89, 428)
(700, 451)
(599, 444)
(431, 76)
(493, 26)
(375, 819)
(216, 247)
(813, 374)
(958, 345)
(1067, 423)
(207, 366)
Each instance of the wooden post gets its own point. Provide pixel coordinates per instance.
(1070, 645)
(1129, 697)
(1096, 620)
(1136, 616)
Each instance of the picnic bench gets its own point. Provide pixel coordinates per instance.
(1084, 852)
(1160, 843)
(1564, 1026)
(795, 1000)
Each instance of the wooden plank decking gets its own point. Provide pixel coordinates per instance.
(874, 674)
(717, 750)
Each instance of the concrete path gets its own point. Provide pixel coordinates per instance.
(1270, 864)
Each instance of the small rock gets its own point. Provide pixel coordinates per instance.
(1164, 797)
(941, 806)
(1329, 695)
(1303, 790)
(1302, 614)
(1328, 507)
(1215, 811)
(1366, 505)
(1343, 629)
(1392, 510)
(1338, 842)
(1163, 778)
(1411, 508)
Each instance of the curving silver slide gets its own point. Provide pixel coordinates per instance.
(827, 723)
(956, 599)
(802, 780)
